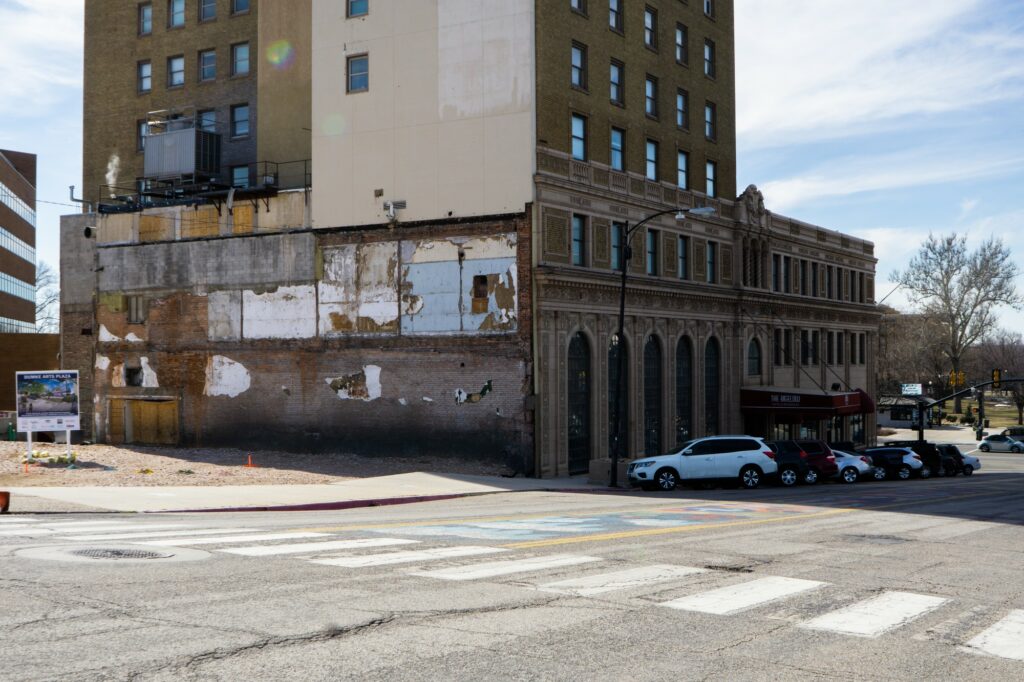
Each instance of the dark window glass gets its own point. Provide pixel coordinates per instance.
(618, 420)
(617, 149)
(207, 10)
(358, 8)
(684, 390)
(652, 397)
(754, 358)
(207, 65)
(618, 234)
(176, 12)
(239, 6)
(358, 74)
(578, 240)
(240, 120)
(579, 392)
(579, 137)
(712, 387)
(145, 19)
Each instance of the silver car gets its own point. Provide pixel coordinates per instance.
(852, 466)
(1001, 444)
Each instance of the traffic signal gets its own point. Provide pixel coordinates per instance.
(996, 376)
(961, 378)
(952, 378)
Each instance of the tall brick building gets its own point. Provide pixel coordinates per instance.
(17, 242)
(452, 279)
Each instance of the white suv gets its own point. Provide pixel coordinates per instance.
(743, 458)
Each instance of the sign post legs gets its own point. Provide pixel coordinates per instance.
(29, 439)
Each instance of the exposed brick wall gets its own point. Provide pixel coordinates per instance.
(24, 353)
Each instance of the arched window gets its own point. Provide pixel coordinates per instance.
(754, 358)
(578, 388)
(652, 397)
(684, 390)
(712, 387)
(618, 409)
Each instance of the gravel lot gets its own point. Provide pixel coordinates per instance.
(109, 465)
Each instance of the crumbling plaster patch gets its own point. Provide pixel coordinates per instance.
(102, 362)
(106, 336)
(225, 377)
(363, 385)
(149, 379)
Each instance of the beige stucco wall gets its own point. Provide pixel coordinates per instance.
(447, 123)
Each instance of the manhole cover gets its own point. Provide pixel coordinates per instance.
(106, 553)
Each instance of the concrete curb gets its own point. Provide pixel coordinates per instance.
(382, 501)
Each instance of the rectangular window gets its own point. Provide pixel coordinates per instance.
(578, 240)
(853, 349)
(145, 71)
(615, 15)
(683, 109)
(240, 176)
(709, 8)
(618, 140)
(145, 19)
(652, 160)
(175, 13)
(863, 349)
(616, 92)
(805, 347)
(358, 69)
(136, 310)
(206, 120)
(579, 66)
(682, 170)
(710, 173)
(830, 348)
(618, 235)
(709, 58)
(710, 121)
(207, 65)
(789, 347)
(651, 28)
(240, 120)
(815, 275)
(829, 290)
(815, 346)
(175, 71)
(357, 8)
(142, 131)
(651, 96)
(652, 252)
(712, 264)
(683, 254)
(787, 269)
(682, 47)
(207, 10)
(776, 267)
(579, 137)
(777, 347)
(803, 277)
(239, 6)
(240, 59)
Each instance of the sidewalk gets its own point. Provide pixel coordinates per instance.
(365, 492)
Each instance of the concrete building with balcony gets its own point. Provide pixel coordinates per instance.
(451, 281)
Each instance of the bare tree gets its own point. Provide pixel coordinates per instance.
(1004, 350)
(909, 351)
(960, 289)
(47, 299)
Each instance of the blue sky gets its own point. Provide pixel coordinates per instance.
(885, 119)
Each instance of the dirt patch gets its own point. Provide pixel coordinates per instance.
(110, 465)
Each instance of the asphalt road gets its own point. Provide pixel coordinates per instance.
(889, 581)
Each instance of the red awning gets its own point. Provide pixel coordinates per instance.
(790, 404)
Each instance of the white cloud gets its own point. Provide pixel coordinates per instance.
(869, 173)
(41, 53)
(813, 69)
(967, 206)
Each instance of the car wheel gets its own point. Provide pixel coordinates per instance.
(984, 448)
(879, 473)
(904, 472)
(666, 479)
(926, 472)
(1015, 450)
(811, 477)
(750, 477)
(788, 476)
(949, 471)
(849, 475)
(968, 470)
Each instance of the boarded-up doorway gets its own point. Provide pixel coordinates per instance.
(148, 422)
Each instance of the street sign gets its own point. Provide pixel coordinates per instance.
(911, 389)
(47, 401)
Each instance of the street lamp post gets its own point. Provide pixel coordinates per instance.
(625, 254)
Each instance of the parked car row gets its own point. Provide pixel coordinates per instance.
(749, 461)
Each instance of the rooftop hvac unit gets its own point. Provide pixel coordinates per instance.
(189, 152)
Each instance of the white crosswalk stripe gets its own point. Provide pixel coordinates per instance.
(494, 569)
(85, 524)
(165, 534)
(743, 596)
(7, 532)
(407, 557)
(310, 547)
(875, 616)
(1005, 639)
(620, 580)
(15, 519)
(92, 530)
(220, 540)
